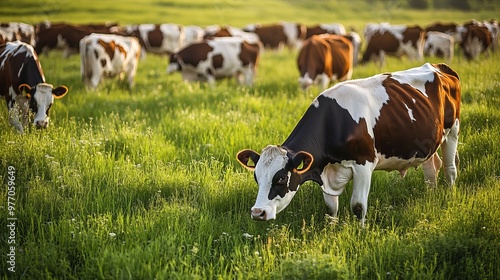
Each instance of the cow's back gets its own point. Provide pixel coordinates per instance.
(315, 57)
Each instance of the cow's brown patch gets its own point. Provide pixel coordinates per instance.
(217, 61)
(359, 144)
(249, 54)
(108, 47)
(155, 37)
(194, 53)
(413, 35)
(404, 135)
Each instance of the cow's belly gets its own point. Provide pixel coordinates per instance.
(396, 163)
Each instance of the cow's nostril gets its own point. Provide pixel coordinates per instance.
(259, 214)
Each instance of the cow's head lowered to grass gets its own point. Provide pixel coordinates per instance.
(40, 98)
(278, 174)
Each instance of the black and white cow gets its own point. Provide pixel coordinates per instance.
(23, 86)
(391, 121)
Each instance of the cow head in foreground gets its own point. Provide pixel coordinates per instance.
(278, 174)
(391, 121)
(37, 99)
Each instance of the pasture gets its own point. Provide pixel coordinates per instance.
(144, 184)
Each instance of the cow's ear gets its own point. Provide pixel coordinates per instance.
(25, 90)
(59, 91)
(302, 161)
(248, 158)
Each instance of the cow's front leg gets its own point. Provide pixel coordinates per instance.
(362, 175)
(334, 177)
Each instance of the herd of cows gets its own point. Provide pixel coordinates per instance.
(349, 130)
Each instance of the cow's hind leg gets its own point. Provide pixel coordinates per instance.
(450, 153)
(334, 177)
(431, 169)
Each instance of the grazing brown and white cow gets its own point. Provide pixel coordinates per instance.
(439, 44)
(216, 31)
(330, 28)
(449, 28)
(162, 39)
(65, 36)
(324, 58)
(391, 121)
(476, 40)
(217, 58)
(277, 36)
(23, 86)
(21, 31)
(394, 40)
(108, 55)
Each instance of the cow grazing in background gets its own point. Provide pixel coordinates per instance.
(330, 28)
(394, 40)
(391, 121)
(23, 86)
(215, 31)
(21, 31)
(450, 28)
(162, 39)
(108, 55)
(324, 58)
(278, 35)
(66, 36)
(217, 58)
(476, 40)
(439, 44)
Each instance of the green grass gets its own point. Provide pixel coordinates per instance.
(145, 185)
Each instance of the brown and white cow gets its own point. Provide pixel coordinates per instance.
(476, 40)
(216, 31)
(324, 58)
(390, 121)
(108, 55)
(439, 44)
(330, 28)
(450, 28)
(21, 31)
(217, 58)
(278, 35)
(23, 86)
(66, 36)
(394, 40)
(162, 39)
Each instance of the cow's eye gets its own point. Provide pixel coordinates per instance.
(283, 180)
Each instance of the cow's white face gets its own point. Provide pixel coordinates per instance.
(41, 98)
(278, 176)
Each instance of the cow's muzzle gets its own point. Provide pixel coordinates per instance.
(42, 124)
(262, 214)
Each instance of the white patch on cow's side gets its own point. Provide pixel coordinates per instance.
(416, 77)
(362, 98)
(410, 113)
(292, 35)
(414, 101)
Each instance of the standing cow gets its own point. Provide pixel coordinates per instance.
(23, 85)
(391, 121)
(439, 44)
(108, 55)
(217, 58)
(395, 40)
(325, 58)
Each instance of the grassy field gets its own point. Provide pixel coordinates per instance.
(145, 185)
